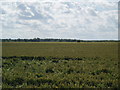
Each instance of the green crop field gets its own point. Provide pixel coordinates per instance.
(61, 49)
(60, 64)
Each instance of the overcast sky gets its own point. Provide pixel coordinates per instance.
(93, 19)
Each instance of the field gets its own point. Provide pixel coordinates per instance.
(60, 64)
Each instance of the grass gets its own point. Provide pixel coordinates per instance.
(60, 65)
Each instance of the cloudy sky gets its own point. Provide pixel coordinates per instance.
(68, 19)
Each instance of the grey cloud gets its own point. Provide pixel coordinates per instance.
(2, 11)
(37, 16)
(21, 6)
(93, 13)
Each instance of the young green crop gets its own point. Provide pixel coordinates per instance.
(61, 49)
(60, 65)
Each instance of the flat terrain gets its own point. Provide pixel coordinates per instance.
(60, 64)
(61, 49)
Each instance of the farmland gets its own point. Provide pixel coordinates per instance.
(60, 64)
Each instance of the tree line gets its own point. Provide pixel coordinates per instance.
(53, 40)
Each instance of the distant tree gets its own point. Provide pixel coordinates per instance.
(78, 40)
(18, 40)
